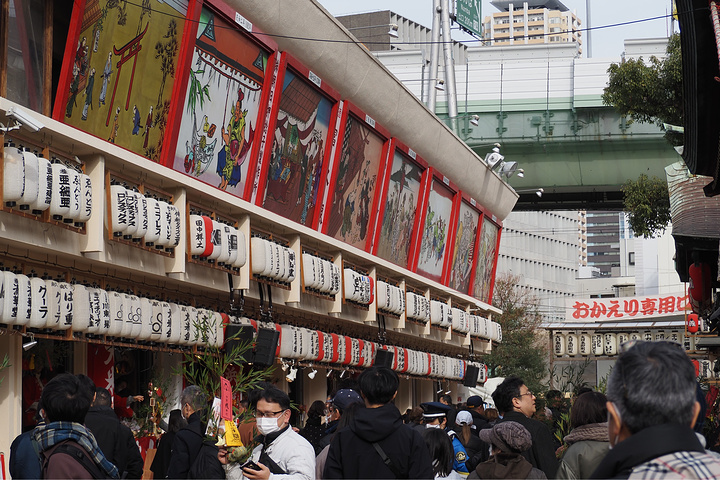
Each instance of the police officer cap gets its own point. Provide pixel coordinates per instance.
(434, 409)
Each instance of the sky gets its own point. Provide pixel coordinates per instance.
(606, 41)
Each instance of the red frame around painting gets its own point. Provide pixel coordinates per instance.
(228, 15)
(433, 174)
(467, 199)
(481, 221)
(384, 134)
(301, 71)
(411, 157)
(184, 58)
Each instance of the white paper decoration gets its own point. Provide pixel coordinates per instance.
(66, 305)
(598, 347)
(54, 300)
(572, 344)
(358, 288)
(141, 206)
(154, 227)
(559, 344)
(24, 308)
(439, 313)
(119, 214)
(93, 324)
(31, 177)
(13, 174)
(45, 177)
(418, 307)
(40, 303)
(117, 314)
(157, 321)
(75, 196)
(81, 307)
(611, 344)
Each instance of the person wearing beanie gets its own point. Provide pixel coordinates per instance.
(508, 440)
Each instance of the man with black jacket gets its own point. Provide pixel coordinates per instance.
(476, 407)
(377, 444)
(188, 440)
(517, 402)
(114, 439)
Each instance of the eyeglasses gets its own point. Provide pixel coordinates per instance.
(268, 414)
(529, 393)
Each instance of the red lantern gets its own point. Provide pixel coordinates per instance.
(700, 286)
(696, 364)
(693, 323)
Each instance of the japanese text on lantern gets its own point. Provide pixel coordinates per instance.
(630, 307)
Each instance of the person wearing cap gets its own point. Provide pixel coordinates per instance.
(376, 443)
(477, 450)
(435, 416)
(342, 399)
(517, 403)
(508, 439)
(652, 409)
(476, 407)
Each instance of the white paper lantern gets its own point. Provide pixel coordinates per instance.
(81, 307)
(258, 256)
(105, 318)
(146, 319)
(572, 344)
(598, 346)
(226, 231)
(622, 337)
(242, 251)
(195, 336)
(585, 344)
(166, 218)
(559, 344)
(67, 305)
(134, 317)
(176, 315)
(86, 204)
(24, 309)
(117, 314)
(154, 216)
(13, 174)
(31, 178)
(216, 237)
(39, 302)
(157, 322)
(610, 344)
(132, 214)
(54, 300)
(45, 178)
(185, 325)
(659, 335)
(168, 322)
(141, 205)
(127, 315)
(92, 326)
(636, 336)
(119, 214)
(75, 196)
(197, 237)
(175, 227)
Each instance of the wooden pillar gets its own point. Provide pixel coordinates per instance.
(4, 19)
(47, 60)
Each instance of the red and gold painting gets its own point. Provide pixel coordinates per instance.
(119, 70)
(486, 258)
(463, 251)
(435, 231)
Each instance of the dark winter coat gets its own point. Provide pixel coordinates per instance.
(186, 447)
(116, 441)
(507, 465)
(352, 454)
(313, 432)
(542, 452)
(161, 462)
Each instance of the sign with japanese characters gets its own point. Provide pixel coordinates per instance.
(626, 308)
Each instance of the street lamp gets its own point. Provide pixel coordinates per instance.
(393, 32)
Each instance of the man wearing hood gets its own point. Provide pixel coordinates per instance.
(377, 444)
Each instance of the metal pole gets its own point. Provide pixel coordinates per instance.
(588, 30)
(450, 91)
(434, 57)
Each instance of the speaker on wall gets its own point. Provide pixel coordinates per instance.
(471, 376)
(236, 335)
(384, 358)
(266, 346)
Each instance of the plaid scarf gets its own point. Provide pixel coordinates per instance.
(47, 436)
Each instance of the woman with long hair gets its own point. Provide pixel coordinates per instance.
(161, 462)
(314, 430)
(588, 439)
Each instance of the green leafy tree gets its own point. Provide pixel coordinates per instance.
(522, 352)
(647, 203)
(649, 92)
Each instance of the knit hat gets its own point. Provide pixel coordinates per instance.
(510, 437)
(474, 401)
(464, 417)
(346, 397)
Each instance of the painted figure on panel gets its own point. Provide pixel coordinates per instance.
(118, 45)
(298, 150)
(399, 216)
(463, 252)
(355, 184)
(485, 261)
(217, 130)
(434, 234)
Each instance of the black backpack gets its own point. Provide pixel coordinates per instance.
(78, 453)
(206, 464)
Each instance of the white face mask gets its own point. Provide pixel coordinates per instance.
(266, 426)
(328, 418)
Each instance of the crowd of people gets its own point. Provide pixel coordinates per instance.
(646, 427)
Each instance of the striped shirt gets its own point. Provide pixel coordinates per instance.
(680, 465)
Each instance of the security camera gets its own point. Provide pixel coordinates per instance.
(25, 119)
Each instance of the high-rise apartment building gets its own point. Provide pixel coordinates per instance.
(531, 23)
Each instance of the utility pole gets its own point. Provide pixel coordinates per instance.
(450, 92)
(434, 57)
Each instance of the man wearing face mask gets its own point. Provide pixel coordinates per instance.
(652, 409)
(435, 416)
(282, 453)
(188, 440)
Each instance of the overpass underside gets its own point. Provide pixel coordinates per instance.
(580, 157)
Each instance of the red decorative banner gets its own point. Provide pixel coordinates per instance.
(225, 399)
(628, 307)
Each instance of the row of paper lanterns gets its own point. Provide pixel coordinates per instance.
(216, 241)
(595, 343)
(33, 183)
(272, 260)
(303, 344)
(133, 216)
(43, 303)
(320, 275)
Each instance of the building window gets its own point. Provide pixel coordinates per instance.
(631, 258)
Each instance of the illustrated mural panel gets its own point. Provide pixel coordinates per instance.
(298, 150)
(354, 187)
(435, 230)
(487, 250)
(400, 210)
(463, 251)
(121, 75)
(222, 105)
